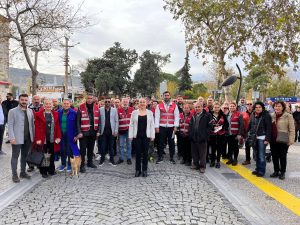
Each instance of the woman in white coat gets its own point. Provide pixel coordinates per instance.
(141, 131)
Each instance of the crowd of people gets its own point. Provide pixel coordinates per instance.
(206, 131)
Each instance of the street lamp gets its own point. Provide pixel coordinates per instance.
(230, 80)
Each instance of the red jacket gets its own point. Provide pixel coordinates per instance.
(246, 118)
(40, 128)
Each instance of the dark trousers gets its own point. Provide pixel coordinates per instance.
(106, 142)
(233, 147)
(184, 147)
(216, 143)
(16, 149)
(87, 144)
(297, 130)
(166, 133)
(141, 152)
(247, 150)
(2, 128)
(156, 140)
(279, 155)
(115, 146)
(49, 148)
(199, 151)
(66, 150)
(225, 147)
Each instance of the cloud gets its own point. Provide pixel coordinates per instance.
(136, 24)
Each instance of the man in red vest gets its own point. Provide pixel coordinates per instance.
(183, 140)
(124, 113)
(236, 131)
(88, 125)
(166, 124)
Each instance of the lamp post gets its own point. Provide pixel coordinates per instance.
(230, 80)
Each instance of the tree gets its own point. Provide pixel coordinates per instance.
(111, 72)
(38, 25)
(147, 77)
(185, 80)
(225, 29)
(281, 87)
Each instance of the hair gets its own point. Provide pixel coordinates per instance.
(259, 103)
(179, 96)
(22, 95)
(234, 103)
(216, 103)
(281, 103)
(48, 100)
(10, 94)
(67, 99)
(166, 92)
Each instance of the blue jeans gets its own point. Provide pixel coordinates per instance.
(260, 151)
(66, 150)
(123, 138)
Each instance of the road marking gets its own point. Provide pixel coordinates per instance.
(285, 198)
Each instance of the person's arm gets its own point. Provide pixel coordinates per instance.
(268, 126)
(116, 119)
(241, 126)
(131, 125)
(78, 122)
(291, 130)
(157, 116)
(152, 127)
(11, 122)
(176, 117)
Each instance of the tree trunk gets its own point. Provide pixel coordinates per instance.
(224, 75)
(34, 81)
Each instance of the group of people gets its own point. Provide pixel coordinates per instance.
(205, 132)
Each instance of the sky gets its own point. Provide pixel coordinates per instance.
(136, 24)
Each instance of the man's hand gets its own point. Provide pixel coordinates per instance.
(57, 140)
(175, 129)
(152, 139)
(266, 142)
(80, 135)
(156, 130)
(39, 142)
(98, 134)
(115, 134)
(13, 141)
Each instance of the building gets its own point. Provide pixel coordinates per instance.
(4, 56)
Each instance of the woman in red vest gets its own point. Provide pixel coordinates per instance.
(235, 133)
(217, 135)
(48, 134)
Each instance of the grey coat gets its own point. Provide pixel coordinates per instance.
(16, 124)
(114, 120)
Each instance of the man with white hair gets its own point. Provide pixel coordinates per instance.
(124, 114)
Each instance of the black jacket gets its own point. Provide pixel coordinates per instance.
(296, 116)
(264, 127)
(200, 132)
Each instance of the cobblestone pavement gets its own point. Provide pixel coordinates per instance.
(171, 194)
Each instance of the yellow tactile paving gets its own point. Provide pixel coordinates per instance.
(285, 198)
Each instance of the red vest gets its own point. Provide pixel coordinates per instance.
(234, 123)
(124, 119)
(184, 123)
(167, 117)
(85, 120)
(246, 119)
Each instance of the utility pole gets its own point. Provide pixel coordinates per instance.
(66, 60)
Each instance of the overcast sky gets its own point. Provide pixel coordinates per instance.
(136, 24)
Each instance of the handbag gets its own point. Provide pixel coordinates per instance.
(35, 156)
(282, 137)
(251, 140)
(46, 160)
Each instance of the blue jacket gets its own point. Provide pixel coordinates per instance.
(71, 130)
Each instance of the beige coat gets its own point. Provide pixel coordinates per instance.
(286, 124)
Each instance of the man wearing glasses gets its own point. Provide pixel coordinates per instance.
(246, 118)
(88, 125)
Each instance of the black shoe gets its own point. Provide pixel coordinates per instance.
(82, 169)
(144, 174)
(112, 162)
(52, 174)
(212, 164)
(259, 175)
(218, 165)
(92, 166)
(44, 175)
(24, 175)
(188, 163)
(159, 160)
(229, 162)
(282, 176)
(172, 161)
(30, 169)
(101, 162)
(119, 161)
(137, 173)
(275, 174)
(129, 161)
(254, 172)
(16, 179)
(235, 162)
(182, 162)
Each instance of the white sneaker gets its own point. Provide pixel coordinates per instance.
(98, 157)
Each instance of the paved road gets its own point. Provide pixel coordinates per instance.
(171, 194)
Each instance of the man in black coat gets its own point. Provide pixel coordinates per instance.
(199, 129)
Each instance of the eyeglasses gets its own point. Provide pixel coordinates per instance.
(249, 103)
(225, 108)
(107, 102)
